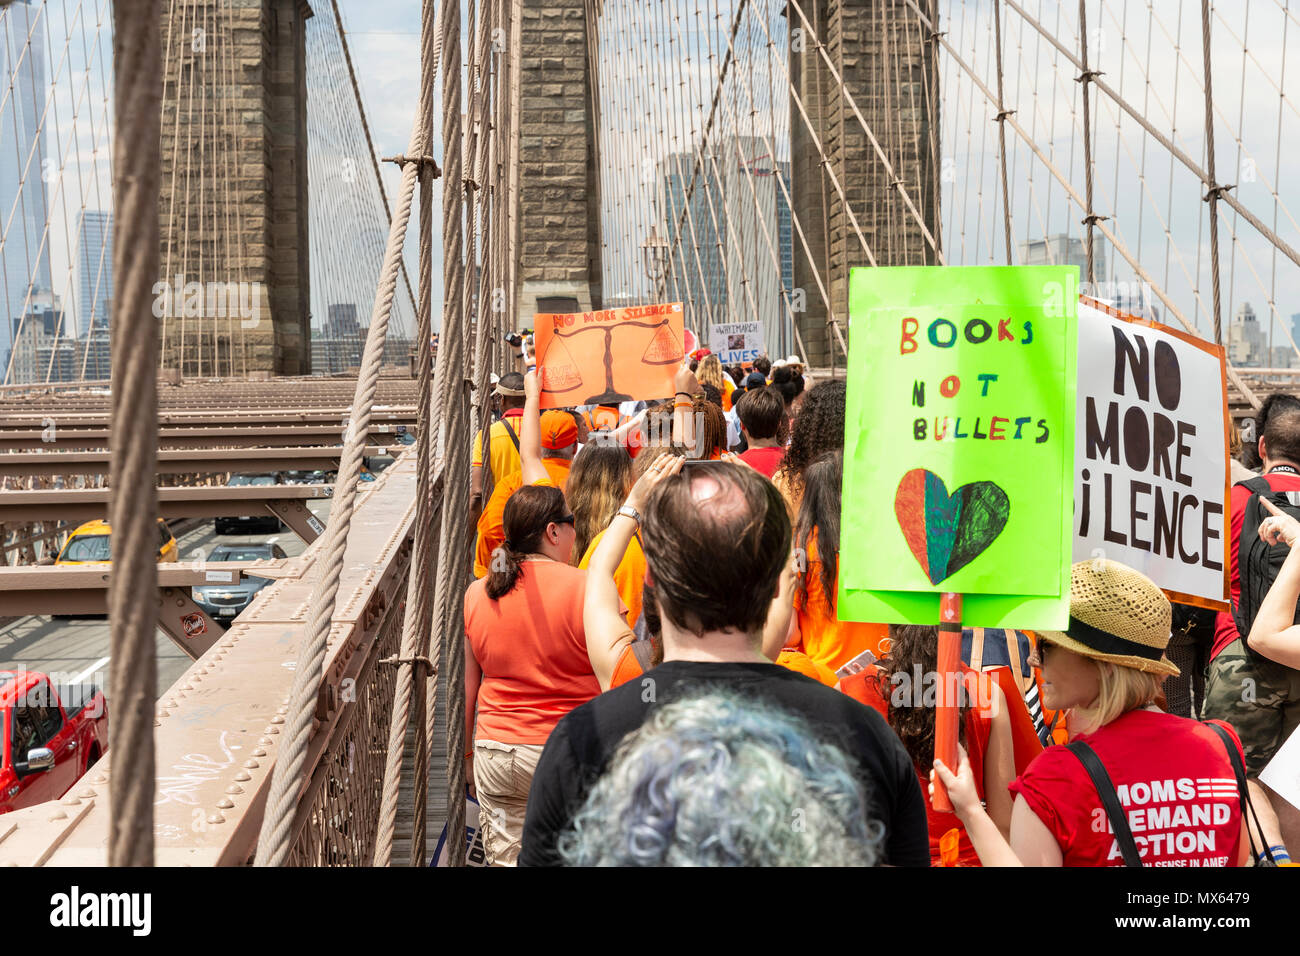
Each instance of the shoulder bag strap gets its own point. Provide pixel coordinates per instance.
(1247, 807)
(511, 432)
(1106, 790)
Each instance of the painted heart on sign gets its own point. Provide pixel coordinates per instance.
(945, 531)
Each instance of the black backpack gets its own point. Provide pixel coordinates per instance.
(1258, 563)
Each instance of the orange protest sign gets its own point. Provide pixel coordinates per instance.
(617, 355)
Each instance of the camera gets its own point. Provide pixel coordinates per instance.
(516, 339)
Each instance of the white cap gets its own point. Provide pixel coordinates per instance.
(793, 360)
(780, 363)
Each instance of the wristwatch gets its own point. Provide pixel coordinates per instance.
(631, 513)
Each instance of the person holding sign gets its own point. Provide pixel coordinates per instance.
(890, 688)
(547, 443)
(1137, 786)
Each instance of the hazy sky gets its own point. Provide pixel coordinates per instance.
(1149, 51)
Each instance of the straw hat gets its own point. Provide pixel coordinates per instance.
(1117, 614)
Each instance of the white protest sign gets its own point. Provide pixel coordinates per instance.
(736, 343)
(1282, 774)
(1151, 454)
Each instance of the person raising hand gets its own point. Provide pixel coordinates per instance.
(547, 443)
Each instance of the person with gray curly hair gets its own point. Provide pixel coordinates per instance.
(715, 779)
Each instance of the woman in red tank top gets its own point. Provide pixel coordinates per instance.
(903, 688)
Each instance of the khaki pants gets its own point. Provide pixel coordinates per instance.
(502, 775)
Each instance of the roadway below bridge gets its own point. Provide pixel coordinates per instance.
(76, 649)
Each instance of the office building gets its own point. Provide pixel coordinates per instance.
(25, 250)
(94, 271)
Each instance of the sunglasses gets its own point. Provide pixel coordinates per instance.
(567, 519)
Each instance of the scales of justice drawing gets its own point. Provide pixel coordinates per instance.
(573, 361)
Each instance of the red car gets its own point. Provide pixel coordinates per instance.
(52, 735)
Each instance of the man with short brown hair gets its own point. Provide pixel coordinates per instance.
(717, 539)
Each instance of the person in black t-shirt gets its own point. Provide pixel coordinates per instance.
(713, 614)
(721, 779)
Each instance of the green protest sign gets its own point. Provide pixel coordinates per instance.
(959, 445)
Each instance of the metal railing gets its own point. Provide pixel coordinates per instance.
(218, 728)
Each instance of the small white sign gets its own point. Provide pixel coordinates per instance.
(314, 524)
(225, 577)
(736, 343)
(1283, 772)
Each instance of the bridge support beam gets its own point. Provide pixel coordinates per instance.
(559, 196)
(887, 63)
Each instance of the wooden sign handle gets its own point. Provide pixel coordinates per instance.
(948, 700)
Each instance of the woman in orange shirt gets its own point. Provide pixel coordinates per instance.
(526, 662)
(826, 639)
(903, 689)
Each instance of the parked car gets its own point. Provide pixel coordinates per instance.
(52, 735)
(374, 465)
(314, 477)
(249, 524)
(224, 601)
(90, 544)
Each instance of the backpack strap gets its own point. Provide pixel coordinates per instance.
(1109, 799)
(1257, 485)
(642, 651)
(1247, 807)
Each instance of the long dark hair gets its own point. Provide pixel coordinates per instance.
(819, 511)
(526, 516)
(817, 429)
(913, 651)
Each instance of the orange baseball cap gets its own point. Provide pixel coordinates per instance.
(559, 430)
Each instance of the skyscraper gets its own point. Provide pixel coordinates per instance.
(1063, 250)
(94, 271)
(25, 260)
(722, 264)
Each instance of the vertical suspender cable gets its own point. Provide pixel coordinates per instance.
(1213, 188)
(454, 537)
(1002, 129)
(133, 505)
(1085, 77)
(416, 624)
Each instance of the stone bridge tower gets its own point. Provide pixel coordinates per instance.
(887, 62)
(559, 200)
(233, 210)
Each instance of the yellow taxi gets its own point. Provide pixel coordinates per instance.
(89, 544)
